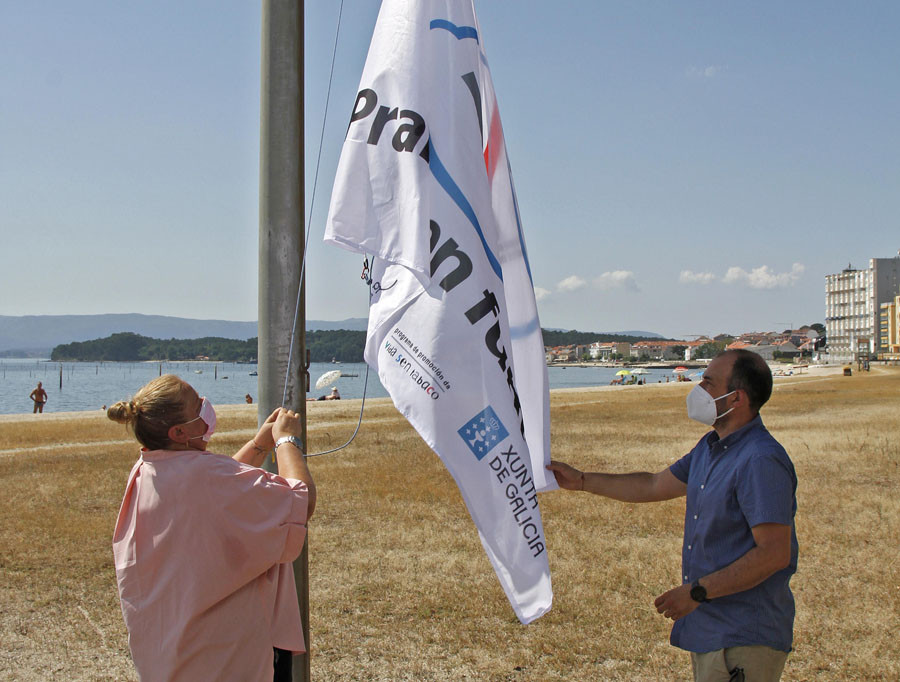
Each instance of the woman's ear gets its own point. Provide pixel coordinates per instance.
(176, 434)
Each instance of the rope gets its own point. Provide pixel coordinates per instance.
(368, 280)
(306, 251)
(358, 422)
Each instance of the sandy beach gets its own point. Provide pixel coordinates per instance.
(400, 588)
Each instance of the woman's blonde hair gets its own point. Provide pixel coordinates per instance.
(152, 411)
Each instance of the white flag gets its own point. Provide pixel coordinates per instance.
(424, 186)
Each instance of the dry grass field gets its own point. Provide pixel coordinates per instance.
(400, 587)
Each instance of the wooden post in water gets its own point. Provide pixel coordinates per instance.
(281, 207)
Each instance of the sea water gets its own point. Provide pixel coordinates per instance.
(91, 385)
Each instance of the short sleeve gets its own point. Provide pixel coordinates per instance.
(765, 489)
(682, 468)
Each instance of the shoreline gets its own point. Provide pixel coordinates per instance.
(239, 408)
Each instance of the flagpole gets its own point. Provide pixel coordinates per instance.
(281, 209)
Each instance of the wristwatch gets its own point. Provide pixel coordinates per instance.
(289, 439)
(698, 592)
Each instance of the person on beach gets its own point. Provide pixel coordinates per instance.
(203, 543)
(334, 395)
(734, 610)
(39, 396)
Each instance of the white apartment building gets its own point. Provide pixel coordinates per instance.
(604, 351)
(853, 301)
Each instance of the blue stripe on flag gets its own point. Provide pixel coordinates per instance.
(459, 31)
(512, 191)
(450, 187)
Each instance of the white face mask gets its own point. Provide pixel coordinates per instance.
(208, 415)
(701, 406)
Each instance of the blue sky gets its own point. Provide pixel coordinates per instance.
(685, 168)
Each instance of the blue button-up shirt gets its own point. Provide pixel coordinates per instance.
(734, 484)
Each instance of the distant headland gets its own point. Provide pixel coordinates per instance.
(35, 336)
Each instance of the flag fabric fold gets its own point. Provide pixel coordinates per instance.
(424, 186)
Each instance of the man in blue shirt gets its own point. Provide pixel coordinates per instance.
(734, 610)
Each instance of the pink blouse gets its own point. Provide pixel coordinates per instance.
(203, 546)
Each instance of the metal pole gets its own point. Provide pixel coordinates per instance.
(281, 209)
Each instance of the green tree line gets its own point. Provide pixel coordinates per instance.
(324, 346)
(129, 347)
(575, 337)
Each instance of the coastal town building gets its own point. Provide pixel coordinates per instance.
(754, 339)
(772, 346)
(659, 350)
(853, 300)
(560, 354)
(606, 351)
(808, 347)
(692, 347)
(889, 330)
(787, 345)
(784, 349)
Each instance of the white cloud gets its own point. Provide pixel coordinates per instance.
(540, 294)
(691, 277)
(616, 279)
(764, 277)
(710, 71)
(572, 283)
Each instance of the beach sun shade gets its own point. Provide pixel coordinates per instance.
(622, 372)
(679, 370)
(640, 370)
(328, 378)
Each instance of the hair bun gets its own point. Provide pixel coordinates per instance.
(123, 412)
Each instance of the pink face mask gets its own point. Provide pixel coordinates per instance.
(208, 415)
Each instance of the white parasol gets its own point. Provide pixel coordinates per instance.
(328, 378)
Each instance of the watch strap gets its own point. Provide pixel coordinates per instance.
(289, 439)
(698, 592)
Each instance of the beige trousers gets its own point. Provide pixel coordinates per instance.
(757, 663)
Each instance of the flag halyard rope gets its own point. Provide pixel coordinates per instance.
(306, 251)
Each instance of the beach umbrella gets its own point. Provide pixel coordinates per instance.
(640, 370)
(622, 372)
(679, 370)
(328, 378)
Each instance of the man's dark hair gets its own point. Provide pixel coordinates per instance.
(751, 374)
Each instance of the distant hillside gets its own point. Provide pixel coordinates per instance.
(36, 335)
(128, 347)
(334, 344)
(353, 324)
(323, 345)
(636, 334)
(554, 338)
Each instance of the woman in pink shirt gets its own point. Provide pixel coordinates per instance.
(204, 543)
